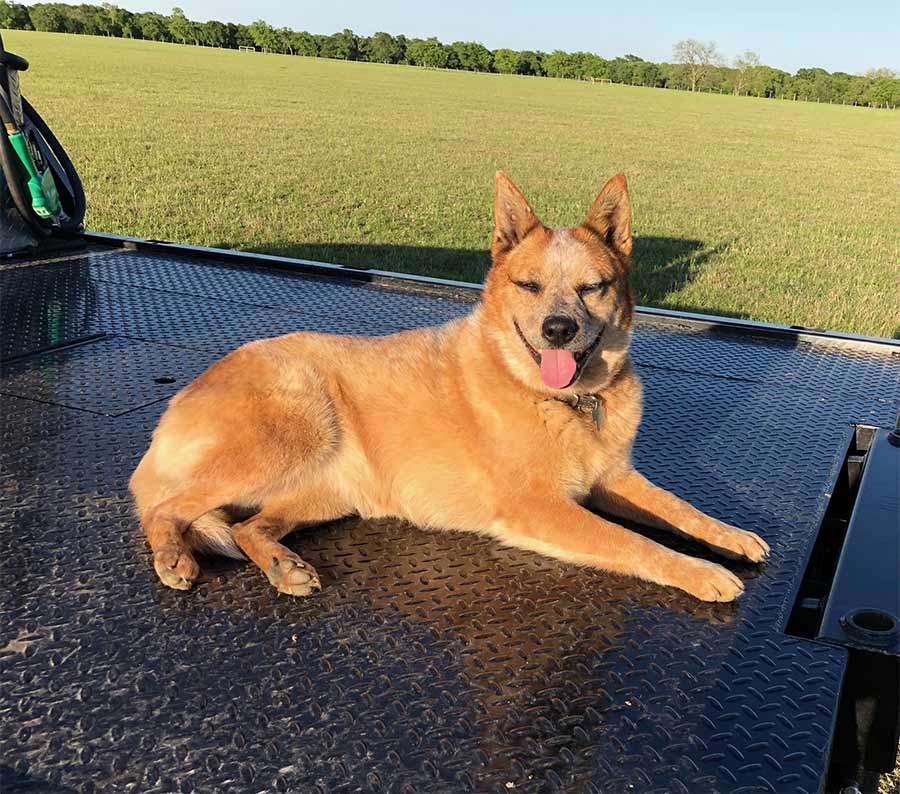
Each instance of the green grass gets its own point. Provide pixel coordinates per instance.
(779, 211)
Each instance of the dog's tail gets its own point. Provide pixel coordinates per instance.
(211, 533)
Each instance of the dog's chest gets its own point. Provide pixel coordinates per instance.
(584, 453)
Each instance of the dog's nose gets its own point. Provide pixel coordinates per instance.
(559, 330)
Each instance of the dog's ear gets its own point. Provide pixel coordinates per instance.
(610, 216)
(513, 216)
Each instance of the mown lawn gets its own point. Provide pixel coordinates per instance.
(778, 211)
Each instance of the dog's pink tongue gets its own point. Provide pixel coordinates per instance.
(557, 368)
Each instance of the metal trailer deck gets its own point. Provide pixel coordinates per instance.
(430, 662)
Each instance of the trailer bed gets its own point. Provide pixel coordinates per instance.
(430, 662)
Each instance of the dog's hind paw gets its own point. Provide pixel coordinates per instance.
(290, 574)
(175, 567)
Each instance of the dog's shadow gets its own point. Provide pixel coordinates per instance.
(661, 266)
(352, 554)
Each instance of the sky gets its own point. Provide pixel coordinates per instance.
(787, 34)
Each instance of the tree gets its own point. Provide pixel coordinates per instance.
(648, 74)
(507, 61)
(285, 39)
(45, 17)
(822, 90)
(697, 67)
(621, 70)
(556, 64)
(127, 23)
(698, 57)
(152, 26)
(384, 48)
(472, 56)
(181, 28)
(343, 45)
(427, 52)
(213, 33)
(858, 91)
(744, 66)
(764, 81)
(263, 35)
(347, 44)
(14, 16)
(111, 18)
(531, 62)
(240, 34)
(588, 66)
(452, 60)
(811, 84)
(304, 44)
(883, 92)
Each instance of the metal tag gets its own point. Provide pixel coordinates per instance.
(588, 402)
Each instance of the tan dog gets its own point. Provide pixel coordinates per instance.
(515, 421)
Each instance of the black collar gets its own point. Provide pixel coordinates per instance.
(585, 403)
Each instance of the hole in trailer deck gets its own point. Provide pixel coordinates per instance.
(806, 616)
(873, 621)
(164, 379)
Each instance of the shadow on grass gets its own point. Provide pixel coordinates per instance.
(660, 265)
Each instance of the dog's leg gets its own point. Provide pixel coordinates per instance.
(165, 525)
(259, 537)
(561, 528)
(635, 498)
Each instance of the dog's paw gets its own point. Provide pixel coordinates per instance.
(709, 582)
(739, 543)
(289, 574)
(176, 568)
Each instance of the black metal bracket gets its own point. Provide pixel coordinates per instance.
(863, 607)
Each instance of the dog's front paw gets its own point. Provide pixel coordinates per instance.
(739, 543)
(708, 581)
(175, 567)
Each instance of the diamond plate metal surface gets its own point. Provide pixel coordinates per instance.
(434, 662)
(79, 376)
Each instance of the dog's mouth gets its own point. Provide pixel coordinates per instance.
(560, 368)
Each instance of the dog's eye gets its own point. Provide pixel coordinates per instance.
(600, 287)
(528, 286)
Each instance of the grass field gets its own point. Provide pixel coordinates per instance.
(779, 211)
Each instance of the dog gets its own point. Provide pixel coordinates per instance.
(516, 420)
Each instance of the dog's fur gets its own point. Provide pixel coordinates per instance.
(450, 427)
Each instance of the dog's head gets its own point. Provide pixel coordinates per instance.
(557, 301)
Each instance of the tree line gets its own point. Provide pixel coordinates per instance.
(696, 66)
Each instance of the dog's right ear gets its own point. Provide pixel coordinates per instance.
(513, 216)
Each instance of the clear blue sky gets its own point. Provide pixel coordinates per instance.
(787, 34)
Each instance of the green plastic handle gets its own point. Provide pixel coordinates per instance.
(44, 196)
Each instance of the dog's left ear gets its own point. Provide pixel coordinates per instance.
(610, 216)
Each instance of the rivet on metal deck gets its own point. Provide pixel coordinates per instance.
(431, 662)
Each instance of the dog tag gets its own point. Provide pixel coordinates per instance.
(596, 414)
(585, 402)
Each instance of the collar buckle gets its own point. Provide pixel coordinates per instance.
(588, 403)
